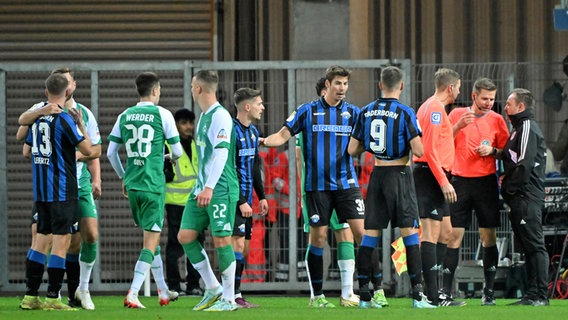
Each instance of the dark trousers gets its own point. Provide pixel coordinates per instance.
(174, 251)
(526, 221)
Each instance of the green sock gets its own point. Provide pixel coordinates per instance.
(88, 252)
(226, 257)
(193, 251)
(146, 256)
(345, 251)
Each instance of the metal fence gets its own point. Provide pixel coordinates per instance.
(108, 88)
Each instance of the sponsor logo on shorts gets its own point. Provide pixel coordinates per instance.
(315, 218)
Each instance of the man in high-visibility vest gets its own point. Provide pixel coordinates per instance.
(180, 179)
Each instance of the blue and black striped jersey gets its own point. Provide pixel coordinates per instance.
(53, 139)
(385, 128)
(246, 152)
(326, 131)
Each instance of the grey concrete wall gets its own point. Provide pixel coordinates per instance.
(320, 29)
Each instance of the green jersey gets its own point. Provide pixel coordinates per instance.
(92, 128)
(215, 130)
(143, 129)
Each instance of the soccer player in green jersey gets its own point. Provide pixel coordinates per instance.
(213, 201)
(143, 129)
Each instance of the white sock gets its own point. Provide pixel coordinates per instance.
(85, 274)
(310, 281)
(228, 279)
(158, 273)
(346, 269)
(140, 270)
(207, 275)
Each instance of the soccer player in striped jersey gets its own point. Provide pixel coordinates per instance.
(213, 201)
(389, 130)
(249, 108)
(143, 129)
(431, 177)
(478, 132)
(342, 232)
(331, 181)
(52, 140)
(82, 252)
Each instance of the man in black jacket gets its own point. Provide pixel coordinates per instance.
(524, 159)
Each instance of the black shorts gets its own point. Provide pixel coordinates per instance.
(479, 194)
(56, 217)
(431, 201)
(391, 197)
(242, 226)
(348, 204)
(74, 228)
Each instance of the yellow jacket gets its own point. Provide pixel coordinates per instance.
(185, 175)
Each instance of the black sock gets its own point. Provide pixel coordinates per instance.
(55, 281)
(34, 275)
(239, 274)
(364, 269)
(441, 249)
(414, 264)
(450, 264)
(73, 270)
(490, 257)
(377, 272)
(429, 270)
(315, 266)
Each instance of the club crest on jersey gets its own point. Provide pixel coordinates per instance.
(345, 115)
(436, 118)
(253, 137)
(485, 143)
(222, 134)
(315, 218)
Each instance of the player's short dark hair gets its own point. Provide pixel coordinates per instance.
(184, 114)
(337, 71)
(56, 84)
(524, 96)
(320, 85)
(145, 82)
(391, 77)
(484, 84)
(64, 70)
(209, 79)
(244, 94)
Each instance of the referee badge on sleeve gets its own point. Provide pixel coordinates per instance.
(436, 118)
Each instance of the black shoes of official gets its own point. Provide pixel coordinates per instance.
(531, 301)
(488, 297)
(446, 300)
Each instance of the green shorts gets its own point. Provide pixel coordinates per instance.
(87, 207)
(333, 222)
(219, 216)
(147, 209)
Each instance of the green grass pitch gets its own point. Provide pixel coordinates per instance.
(282, 307)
